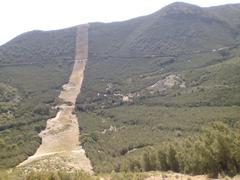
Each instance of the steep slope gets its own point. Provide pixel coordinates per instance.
(227, 13)
(38, 47)
(149, 80)
(60, 142)
(176, 29)
(155, 78)
(35, 65)
(178, 37)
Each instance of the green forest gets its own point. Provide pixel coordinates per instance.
(29, 89)
(160, 94)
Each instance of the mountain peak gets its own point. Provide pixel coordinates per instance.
(181, 4)
(181, 8)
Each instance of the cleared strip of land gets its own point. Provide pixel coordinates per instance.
(60, 140)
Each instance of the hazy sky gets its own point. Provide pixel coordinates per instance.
(18, 16)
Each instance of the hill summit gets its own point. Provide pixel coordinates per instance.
(181, 8)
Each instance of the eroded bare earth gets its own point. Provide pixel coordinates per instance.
(60, 148)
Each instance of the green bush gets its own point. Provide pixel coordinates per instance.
(215, 151)
(42, 109)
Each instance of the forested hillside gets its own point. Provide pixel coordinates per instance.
(160, 92)
(38, 47)
(158, 78)
(33, 68)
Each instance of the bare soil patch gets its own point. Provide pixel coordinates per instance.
(60, 148)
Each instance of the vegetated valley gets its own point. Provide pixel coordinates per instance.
(160, 92)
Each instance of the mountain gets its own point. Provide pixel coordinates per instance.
(158, 77)
(39, 47)
(179, 37)
(176, 29)
(33, 68)
(148, 81)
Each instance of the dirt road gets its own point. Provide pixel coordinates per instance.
(60, 140)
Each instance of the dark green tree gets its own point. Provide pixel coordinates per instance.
(172, 159)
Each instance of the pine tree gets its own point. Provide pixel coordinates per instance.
(162, 160)
(172, 160)
(146, 162)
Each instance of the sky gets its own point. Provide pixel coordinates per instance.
(19, 16)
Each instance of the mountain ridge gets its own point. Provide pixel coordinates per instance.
(178, 6)
(147, 81)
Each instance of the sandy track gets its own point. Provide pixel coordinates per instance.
(60, 139)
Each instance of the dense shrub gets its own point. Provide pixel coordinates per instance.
(42, 109)
(51, 175)
(215, 151)
(25, 115)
